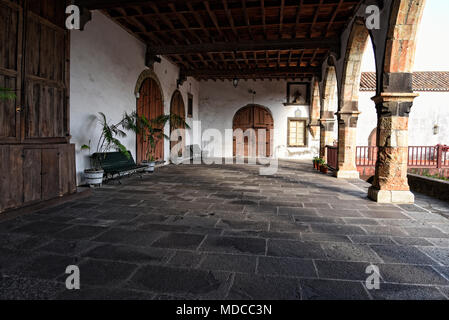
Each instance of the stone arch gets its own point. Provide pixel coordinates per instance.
(400, 48)
(372, 138)
(329, 102)
(348, 104)
(329, 106)
(352, 69)
(148, 73)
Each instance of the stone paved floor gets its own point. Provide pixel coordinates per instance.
(224, 232)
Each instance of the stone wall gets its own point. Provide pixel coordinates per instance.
(432, 187)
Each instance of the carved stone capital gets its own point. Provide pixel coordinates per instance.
(348, 118)
(394, 104)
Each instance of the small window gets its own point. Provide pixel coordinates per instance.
(190, 106)
(297, 133)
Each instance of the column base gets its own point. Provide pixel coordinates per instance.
(387, 196)
(342, 174)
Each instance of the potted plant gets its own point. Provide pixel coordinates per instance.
(323, 166)
(151, 131)
(108, 141)
(315, 162)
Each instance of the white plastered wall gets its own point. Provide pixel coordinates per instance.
(219, 102)
(106, 62)
(429, 109)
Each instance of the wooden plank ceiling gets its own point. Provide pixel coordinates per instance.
(227, 39)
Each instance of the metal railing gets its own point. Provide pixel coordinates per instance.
(432, 157)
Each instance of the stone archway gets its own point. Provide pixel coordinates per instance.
(372, 139)
(329, 106)
(348, 110)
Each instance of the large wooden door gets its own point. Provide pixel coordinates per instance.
(11, 33)
(257, 118)
(150, 105)
(177, 108)
(37, 159)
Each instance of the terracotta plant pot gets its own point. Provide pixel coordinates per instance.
(324, 169)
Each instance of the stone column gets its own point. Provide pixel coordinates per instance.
(390, 182)
(347, 134)
(326, 135)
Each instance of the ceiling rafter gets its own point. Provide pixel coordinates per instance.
(332, 19)
(251, 72)
(247, 21)
(184, 22)
(199, 20)
(264, 18)
(281, 17)
(315, 18)
(167, 21)
(230, 18)
(213, 17)
(274, 36)
(298, 17)
(285, 44)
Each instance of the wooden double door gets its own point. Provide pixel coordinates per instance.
(36, 158)
(259, 119)
(151, 106)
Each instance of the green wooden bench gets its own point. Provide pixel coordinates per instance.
(117, 164)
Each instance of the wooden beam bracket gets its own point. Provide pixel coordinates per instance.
(151, 58)
(182, 78)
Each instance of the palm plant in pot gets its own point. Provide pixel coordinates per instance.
(323, 166)
(108, 141)
(151, 131)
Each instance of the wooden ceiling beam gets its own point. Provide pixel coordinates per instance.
(298, 17)
(264, 18)
(281, 17)
(214, 19)
(184, 22)
(254, 27)
(230, 18)
(247, 21)
(111, 4)
(167, 21)
(334, 15)
(261, 72)
(315, 18)
(199, 20)
(287, 44)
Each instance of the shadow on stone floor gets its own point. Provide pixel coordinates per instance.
(224, 232)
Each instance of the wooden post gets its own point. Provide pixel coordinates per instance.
(439, 156)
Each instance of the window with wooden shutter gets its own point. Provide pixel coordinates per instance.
(297, 132)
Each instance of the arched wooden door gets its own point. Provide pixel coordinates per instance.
(257, 118)
(177, 108)
(150, 105)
